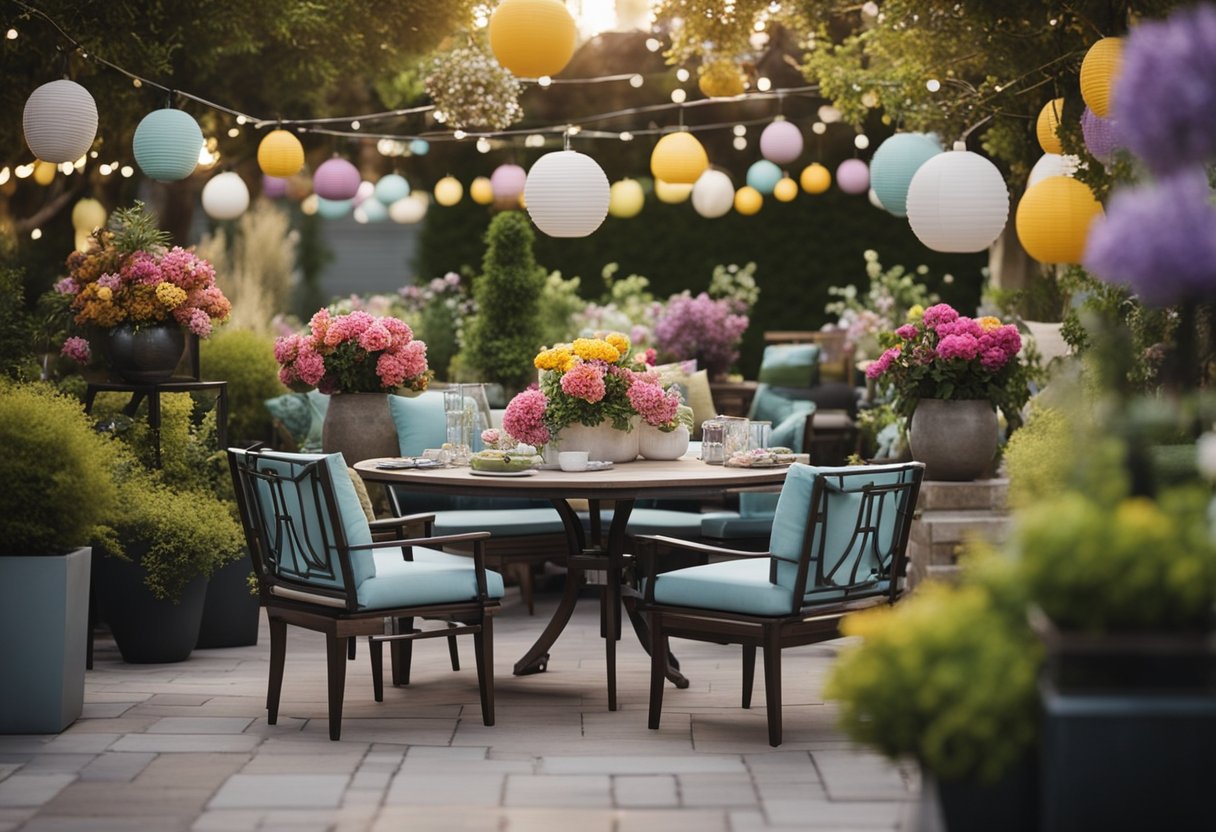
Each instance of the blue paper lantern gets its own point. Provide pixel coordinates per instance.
(763, 176)
(419, 147)
(895, 163)
(391, 188)
(333, 209)
(167, 143)
(371, 210)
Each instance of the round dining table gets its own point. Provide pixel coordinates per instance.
(622, 484)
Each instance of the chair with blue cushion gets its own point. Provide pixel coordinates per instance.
(318, 568)
(838, 545)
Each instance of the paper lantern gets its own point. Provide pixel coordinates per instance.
(895, 163)
(625, 199)
(448, 191)
(273, 187)
(1101, 135)
(420, 147)
(336, 179)
(88, 214)
(372, 210)
(333, 209)
(1098, 71)
(748, 201)
(781, 142)
(44, 172)
(958, 202)
(225, 196)
(409, 210)
(567, 193)
(672, 194)
(532, 37)
(280, 154)
(763, 176)
(786, 190)
(679, 159)
(166, 144)
(1052, 164)
(60, 121)
(816, 178)
(713, 194)
(1053, 219)
(392, 187)
(507, 182)
(364, 192)
(481, 190)
(853, 176)
(721, 79)
(875, 201)
(1049, 121)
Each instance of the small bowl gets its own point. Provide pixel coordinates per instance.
(501, 462)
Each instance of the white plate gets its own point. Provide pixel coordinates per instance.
(526, 473)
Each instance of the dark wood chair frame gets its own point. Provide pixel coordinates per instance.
(807, 622)
(335, 611)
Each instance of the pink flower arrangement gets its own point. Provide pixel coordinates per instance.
(355, 353)
(656, 406)
(524, 418)
(944, 355)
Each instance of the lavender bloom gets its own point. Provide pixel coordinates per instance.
(1158, 240)
(1164, 99)
(1102, 136)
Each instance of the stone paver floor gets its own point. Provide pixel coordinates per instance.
(187, 747)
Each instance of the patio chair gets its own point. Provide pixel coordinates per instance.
(838, 545)
(318, 568)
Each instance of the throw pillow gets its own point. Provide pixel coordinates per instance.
(419, 420)
(694, 387)
(790, 365)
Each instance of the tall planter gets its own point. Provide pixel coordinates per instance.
(230, 610)
(147, 629)
(145, 354)
(44, 611)
(360, 426)
(956, 439)
(1008, 805)
(602, 442)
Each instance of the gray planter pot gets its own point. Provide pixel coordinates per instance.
(44, 611)
(956, 439)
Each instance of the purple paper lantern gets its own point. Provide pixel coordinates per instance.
(507, 182)
(274, 187)
(1101, 135)
(853, 177)
(781, 142)
(336, 179)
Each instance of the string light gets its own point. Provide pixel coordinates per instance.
(763, 84)
(819, 128)
(652, 44)
(104, 170)
(5, 173)
(933, 85)
(483, 145)
(626, 136)
(739, 143)
(636, 81)
(356, 124)
(739, 130)
(36, 234)
(861, 141)
(127, 171)
(233, 132)
(682, 75)
(11, 34)
(679, 96)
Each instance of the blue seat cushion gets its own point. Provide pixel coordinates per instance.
(424, 581)
(412, 502)
(386, 558)
(500, 523)
(729, 526)
(682, 524)
(732, 586)
(419, 420)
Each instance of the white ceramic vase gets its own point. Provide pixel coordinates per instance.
(602, 442)
(662, 444)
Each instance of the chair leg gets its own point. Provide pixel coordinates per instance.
(350, 649)
(483, 648)
(658, 668)
(772, 682)
(336, 652)
(278, 651)
(376, 649)
(402, 652)
(749, 673)
(453, 650)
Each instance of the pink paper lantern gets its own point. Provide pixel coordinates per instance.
(274, 187)
(1101, 135)
(853, 176)
(507, 182)
(781, 142)
(336, 179)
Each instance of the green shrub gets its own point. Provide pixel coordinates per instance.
(55, 470)
(245, 360)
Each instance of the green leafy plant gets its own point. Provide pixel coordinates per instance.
(866, 316)
(245, 359)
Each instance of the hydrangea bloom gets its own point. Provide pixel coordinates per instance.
(355, 353)
(77, 349)
(524, 418)
(584, 381)
(656, 406)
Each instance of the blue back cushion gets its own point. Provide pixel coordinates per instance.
(419, 421)
(790, 365)
(773, 405)
(301, 504)
(843, 508)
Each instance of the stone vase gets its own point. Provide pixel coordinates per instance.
(145, 354)
(662, 444)
(602, 442)
(957, 440)
(359, 426)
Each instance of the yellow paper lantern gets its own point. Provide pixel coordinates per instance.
(815, 178)
(481, 190)
(1048, 123)
(1053, 219)
(44, 172)
(721, 79)
(448, 191)
(532, 38)
(671, 194)
(679, 159)
(1098, 72)
(785, 190)
(280, 154)
(748, 201)
(625, 199)
(88, 214)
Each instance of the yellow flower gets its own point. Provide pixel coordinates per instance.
(171, 296)
(620, 341)
(989, 323)
(104, 293)
(916, 313)
(592, 349)
(557, 358)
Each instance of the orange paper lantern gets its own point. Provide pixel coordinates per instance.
(1098, 72)
(1048, 123)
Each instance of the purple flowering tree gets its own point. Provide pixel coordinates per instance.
(701, 328)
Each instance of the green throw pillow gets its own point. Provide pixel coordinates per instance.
(790, 365)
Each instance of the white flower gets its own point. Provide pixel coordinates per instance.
(1205, 453)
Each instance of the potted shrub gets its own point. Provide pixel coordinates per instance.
(57, 487)
(244, 359)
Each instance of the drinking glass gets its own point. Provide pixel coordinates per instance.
(735, 435)
(711, 441)
(760, 433)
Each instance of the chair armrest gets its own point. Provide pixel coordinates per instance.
(441, 540)
(396, 522)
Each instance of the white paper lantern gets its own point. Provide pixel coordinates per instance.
(60, 121)
(409, 210)
(1052, 164)
(958, 202)
(567, 194)
(713, 194)
(225, 196)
